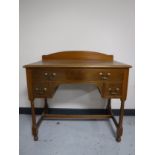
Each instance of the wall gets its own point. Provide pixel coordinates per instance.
(48, 26)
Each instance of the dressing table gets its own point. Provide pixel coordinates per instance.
(69, 67)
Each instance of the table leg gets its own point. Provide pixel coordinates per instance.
(120, 123)
(109, 104)
(34, 124)
(46, 105)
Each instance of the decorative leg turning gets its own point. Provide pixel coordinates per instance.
(34, 124)
(120, 126)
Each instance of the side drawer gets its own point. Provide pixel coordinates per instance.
(112, 90)
(43, 89)
(40, 89)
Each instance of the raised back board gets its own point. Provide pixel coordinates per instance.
(78, 55)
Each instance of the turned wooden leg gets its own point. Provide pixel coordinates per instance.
(109, 104)
(120, 123)
(46, 106)
(34, 125)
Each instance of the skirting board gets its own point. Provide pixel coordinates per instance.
(127, 112)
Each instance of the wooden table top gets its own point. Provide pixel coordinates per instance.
(77, 64)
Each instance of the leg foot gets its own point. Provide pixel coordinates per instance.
(35, 138)
(118, 139)
(35, 133)
(119, 134)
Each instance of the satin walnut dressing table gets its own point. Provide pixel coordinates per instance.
(110, 77)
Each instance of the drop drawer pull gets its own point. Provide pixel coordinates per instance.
(49, 76)
(41, 90)
(104, 77)
(114, 93)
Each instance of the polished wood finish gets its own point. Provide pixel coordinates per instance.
(69, 75)
(110, 77)
(84, 117)
(77, 64)
(77, 55)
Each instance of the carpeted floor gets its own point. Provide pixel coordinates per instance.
(58, 137)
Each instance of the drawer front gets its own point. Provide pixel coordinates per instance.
(112, 90)
(78, 74)
(40, 89)
(43, 89)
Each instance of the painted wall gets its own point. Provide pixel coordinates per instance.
(48, 26)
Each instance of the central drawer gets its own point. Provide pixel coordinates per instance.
(51, 74)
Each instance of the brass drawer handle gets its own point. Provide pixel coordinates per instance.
(103, 76)
(115, 92)
(46, 74)
(49, 76)
(40, 90)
